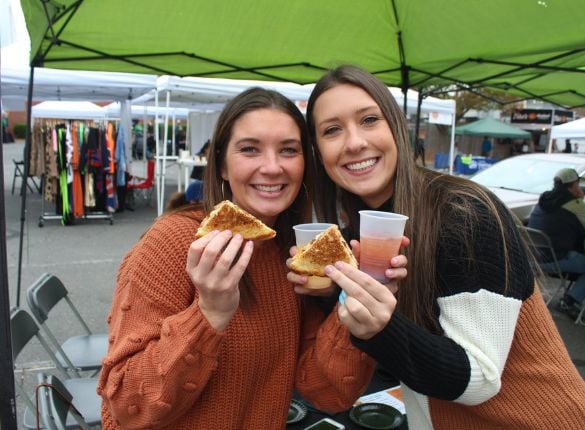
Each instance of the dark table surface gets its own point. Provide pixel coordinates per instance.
(379, 382)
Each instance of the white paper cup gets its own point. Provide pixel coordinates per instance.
(304, 233)
(380, 237)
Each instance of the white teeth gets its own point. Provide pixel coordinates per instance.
(269, 188)
(361, 165)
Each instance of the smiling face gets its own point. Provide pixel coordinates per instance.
(356, 144)
(264, 163)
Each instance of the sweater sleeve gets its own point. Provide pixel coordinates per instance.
(332, 373)
(162, 350)
(476, 312)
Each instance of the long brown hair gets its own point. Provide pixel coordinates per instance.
(215, 189)
(426, 197)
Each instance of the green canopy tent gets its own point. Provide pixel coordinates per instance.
(532, 48)
(491, 127)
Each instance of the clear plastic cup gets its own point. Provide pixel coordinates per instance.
(304, 233)
(380, 238)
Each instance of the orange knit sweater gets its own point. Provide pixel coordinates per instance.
(168, 368)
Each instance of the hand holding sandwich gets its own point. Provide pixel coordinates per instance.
(215, 269)
(395, 273)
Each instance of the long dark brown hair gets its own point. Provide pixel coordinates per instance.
(426, 197)
(215, 189)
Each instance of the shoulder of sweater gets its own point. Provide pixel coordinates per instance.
(178, 220)
(175, 228)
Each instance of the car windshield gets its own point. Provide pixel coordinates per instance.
(528, 175)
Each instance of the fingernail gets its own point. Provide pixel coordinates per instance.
(389, 272)
(338, 264)
(328, 269)
(394, 261)
(303, 279)
(237, 236)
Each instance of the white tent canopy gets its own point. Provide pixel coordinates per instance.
(61, 85)
(569, 130)
(68, 110)
(212, 93)
(139, 111)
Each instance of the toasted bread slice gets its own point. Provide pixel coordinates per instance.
(327, 248)
(227, 216)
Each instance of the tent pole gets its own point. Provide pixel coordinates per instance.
(156, 154)
(417, 125)
(452, 145)
(550, 138)
(7, 394)
(165, 155)
(23, 187)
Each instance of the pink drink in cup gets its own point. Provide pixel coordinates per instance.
(380, 238)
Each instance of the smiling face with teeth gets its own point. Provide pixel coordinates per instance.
(357, 147)
(264, 163)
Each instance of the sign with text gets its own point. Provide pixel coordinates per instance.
(540, 116)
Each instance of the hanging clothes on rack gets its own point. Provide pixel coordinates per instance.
(77, 170)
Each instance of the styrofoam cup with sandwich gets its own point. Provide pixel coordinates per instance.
(304, 233)
(325, 249)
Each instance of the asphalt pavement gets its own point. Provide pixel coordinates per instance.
(86, 256)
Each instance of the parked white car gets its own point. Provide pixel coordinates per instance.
(519, 181)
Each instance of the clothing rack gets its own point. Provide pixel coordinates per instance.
(69, 156)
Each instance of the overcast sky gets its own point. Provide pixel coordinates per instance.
(13, 37)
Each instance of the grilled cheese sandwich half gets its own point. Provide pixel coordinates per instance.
(228, 216)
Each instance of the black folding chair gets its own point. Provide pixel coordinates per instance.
(56, 405)
(540, 245)
(82, 352)
(83, 393)
(19, 173)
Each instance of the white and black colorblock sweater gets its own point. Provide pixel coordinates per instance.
(500, 362)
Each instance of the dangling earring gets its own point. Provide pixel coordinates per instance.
(223, 189)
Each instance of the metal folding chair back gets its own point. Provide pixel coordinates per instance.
(82, 352)
(19, 173)
(24, 329)
(540, 243)
(56, 405)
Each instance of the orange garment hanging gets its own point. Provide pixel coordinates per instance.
(77, 131)
(111, 145)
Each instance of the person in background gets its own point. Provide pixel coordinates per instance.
(568, 147)
(486, 147)
(467, 333)
(208, 333)
(560, 213)
(193, 195)
(197, 171)
(419, 149)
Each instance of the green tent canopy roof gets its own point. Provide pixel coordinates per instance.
(530, 48)
(491, 127)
